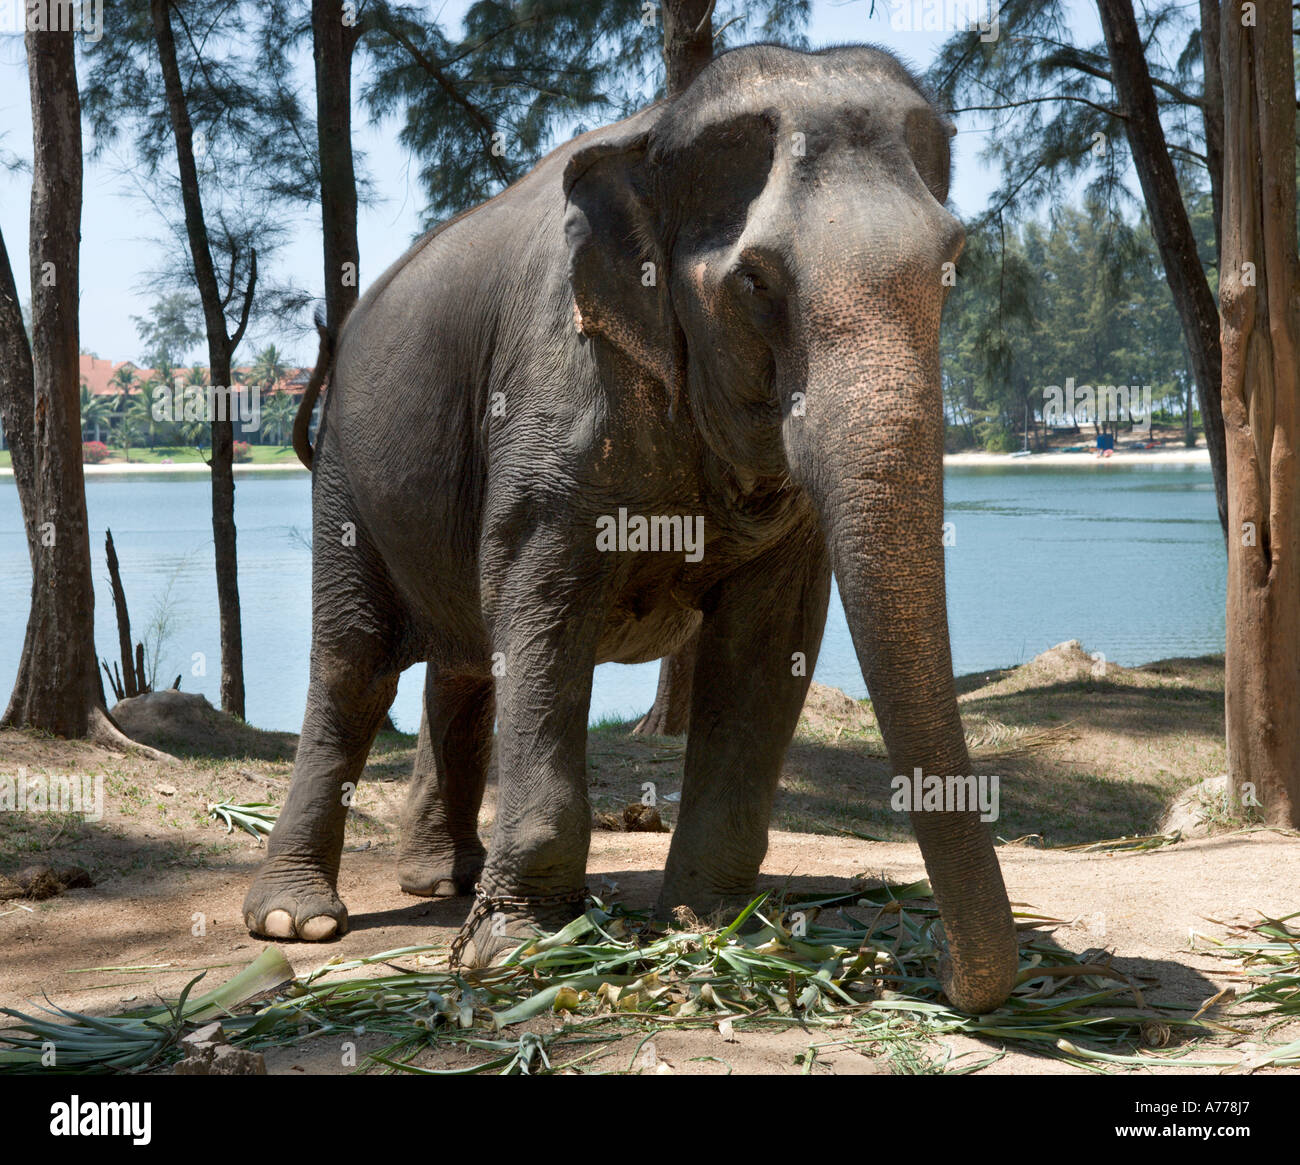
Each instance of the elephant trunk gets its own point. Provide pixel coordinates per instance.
(869, 451)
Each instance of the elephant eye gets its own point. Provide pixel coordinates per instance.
(752, 283)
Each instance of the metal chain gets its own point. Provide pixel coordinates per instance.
(485, 905)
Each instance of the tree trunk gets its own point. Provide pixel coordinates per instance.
(221, 349)
(17, 396)
(1260, 297)
(17, 402)
(1170, 225)
(688, 41)
(688, 47)
(58, 686)
(333, 42)
(224, 541)
(671, 713)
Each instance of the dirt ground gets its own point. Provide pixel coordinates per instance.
(1083, 754)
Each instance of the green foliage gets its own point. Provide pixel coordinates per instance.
(96, 411)
(269, 367)
(1102, 312)
(1047, 99)
(170, 330)
(481, 109)
(278, 411)
(242, 120)
(140, 419)
(868, 981)
(1082, 295)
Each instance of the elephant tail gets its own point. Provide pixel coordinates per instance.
(302, 422)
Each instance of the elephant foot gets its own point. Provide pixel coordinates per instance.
(448, 873)
(498, 924)
(289, 899)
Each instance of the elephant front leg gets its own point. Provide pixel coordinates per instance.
(535, 874)
(757, 648)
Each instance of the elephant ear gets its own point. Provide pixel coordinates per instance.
(616, 267)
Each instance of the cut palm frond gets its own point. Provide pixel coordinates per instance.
(1268, 957)
(861, 969)
(136, 1040)
(1124, 844)
(255, 817)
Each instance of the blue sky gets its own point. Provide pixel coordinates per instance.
(120, 230)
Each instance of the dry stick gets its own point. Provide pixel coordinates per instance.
(127, 685)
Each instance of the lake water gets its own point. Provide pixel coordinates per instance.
(1128, 560)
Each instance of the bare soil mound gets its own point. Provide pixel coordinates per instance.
(830, 709)
(184, 723)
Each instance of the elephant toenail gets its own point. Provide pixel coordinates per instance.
(279, 924)
(320, 927)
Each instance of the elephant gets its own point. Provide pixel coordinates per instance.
(713, 326)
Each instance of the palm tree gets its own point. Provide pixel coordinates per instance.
(135, 421)
(193, 432)
(140, 413)
(279, 412)
(269, 367)
(123, 379)
(165, 369)
(95, 410)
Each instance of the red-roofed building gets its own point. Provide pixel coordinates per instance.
(97, 375)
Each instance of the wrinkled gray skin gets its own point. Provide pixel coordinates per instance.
(514, 378)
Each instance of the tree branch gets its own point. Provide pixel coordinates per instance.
(1069, 60)
(248, 302)
(447, 86)
(1040, 101)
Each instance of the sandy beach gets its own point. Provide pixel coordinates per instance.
(1122, 457)
(1166, 456)
(118, 467)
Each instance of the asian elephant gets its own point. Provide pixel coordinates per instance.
(724, 309)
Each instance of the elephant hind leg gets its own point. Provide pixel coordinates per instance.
(441, 854)
(756, 651)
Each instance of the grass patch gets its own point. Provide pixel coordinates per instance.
(188, 455)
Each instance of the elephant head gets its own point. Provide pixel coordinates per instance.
(772, 246)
